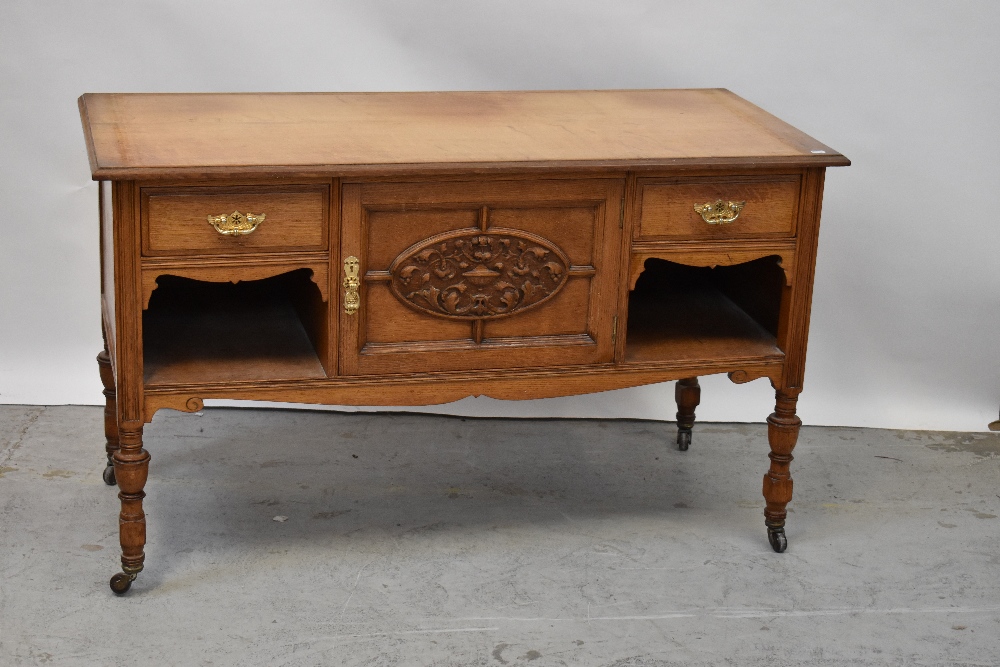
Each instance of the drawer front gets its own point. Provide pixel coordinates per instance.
(667, 207)
(175, 220)
(480, 275)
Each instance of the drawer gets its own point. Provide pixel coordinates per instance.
(667, 207)
(175, 220)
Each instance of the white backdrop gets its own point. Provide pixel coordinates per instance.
(906, 319)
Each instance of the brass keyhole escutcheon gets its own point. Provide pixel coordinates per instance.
(352, 285)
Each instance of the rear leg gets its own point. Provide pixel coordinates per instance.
(110, 415)
(687, 393)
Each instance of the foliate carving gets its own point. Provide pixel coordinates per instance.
(475, 275)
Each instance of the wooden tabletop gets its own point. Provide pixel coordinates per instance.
(177, 135)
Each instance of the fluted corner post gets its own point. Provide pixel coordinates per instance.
(687, 393)
(110, 414)
(782, 434)
(131, 469)
(123, 320)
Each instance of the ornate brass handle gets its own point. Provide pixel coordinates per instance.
(352, 282)
(235, 224)
(720, 212)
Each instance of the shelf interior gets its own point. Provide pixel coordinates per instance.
(682, 313)
(196, 331)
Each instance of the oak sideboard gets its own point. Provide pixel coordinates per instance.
(417, 248)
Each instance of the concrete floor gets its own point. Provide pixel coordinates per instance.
(317, 538)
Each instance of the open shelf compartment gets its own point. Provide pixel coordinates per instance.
(685, 313)
(198, 332)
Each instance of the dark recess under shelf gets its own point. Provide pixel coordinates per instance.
(681, 313)
(220, 332)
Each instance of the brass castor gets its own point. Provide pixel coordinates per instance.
(683, 439)
(776, 536)
(109, 475)
(121, 582)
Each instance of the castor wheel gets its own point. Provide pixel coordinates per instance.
(121, 582)
(683, 440)
(109, 476)
(776, 536)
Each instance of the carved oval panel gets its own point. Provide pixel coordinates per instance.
(475, 275)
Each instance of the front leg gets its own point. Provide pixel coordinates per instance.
(687, 393)
(782, 434)
(131, 469)
(110, 415)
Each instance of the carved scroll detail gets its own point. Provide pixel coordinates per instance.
(744, 376)
(476, 275)
(711, 257)
(741, 377)
(231, 274)
(179, 402)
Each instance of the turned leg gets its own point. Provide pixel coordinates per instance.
(687, 393)
(782, 433)
(131, 467)
(110, 415)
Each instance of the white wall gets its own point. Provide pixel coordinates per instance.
(907, 302)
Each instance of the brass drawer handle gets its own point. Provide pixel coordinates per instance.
(352, 282)
(721, 212)
(236, 224)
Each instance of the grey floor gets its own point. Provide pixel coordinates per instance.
(317, 538)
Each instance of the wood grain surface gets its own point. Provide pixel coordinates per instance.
(159, 135)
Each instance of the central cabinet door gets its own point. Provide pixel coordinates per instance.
(480, 275)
